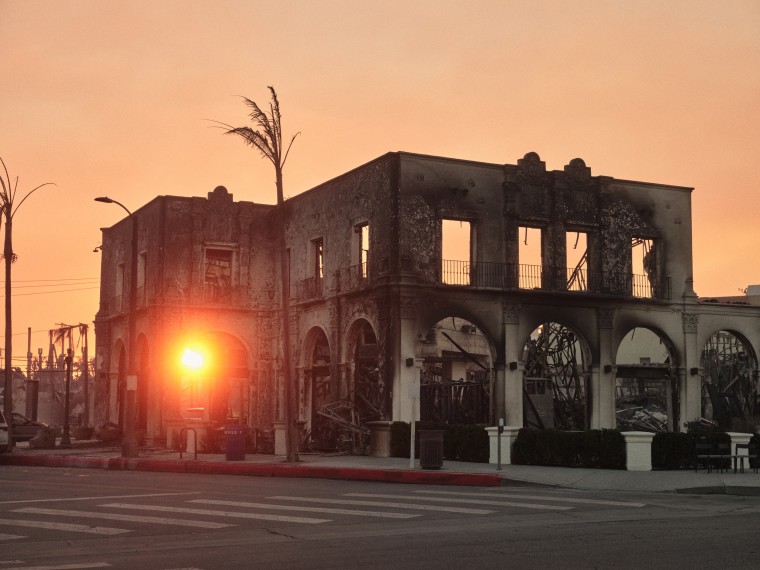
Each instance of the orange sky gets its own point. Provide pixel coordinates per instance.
(106, 97)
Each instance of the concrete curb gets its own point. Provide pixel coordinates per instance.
(256, 469)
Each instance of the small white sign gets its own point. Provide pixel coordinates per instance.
(132, 382)
(414, 388)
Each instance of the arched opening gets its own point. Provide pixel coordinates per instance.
(318, 389)
(646, 387)
(729, 381)
(556, 373)
(143, 373)
(367, 387)
(456, 383)
(216, 377)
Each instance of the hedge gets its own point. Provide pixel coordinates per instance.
(676, 450)
(603, 449)
(460, 442)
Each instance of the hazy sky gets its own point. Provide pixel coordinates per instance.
(113, 98)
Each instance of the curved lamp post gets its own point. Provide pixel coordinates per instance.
(129, 444)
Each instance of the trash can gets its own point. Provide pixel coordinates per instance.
(431, 449)
(234, 440)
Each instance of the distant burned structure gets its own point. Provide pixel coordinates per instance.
(600, 328)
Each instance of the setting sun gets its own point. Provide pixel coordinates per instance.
(192, 359)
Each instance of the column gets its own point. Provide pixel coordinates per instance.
(513, 372)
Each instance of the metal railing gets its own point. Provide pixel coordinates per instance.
(311, 288)
(352, 278)
(525, 276)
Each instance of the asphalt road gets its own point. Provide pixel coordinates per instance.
(77, 518)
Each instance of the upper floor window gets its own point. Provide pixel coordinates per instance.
(317, 258)
(456, 252)
(360, 248)
(217, 273)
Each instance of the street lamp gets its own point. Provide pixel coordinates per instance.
(129, 445)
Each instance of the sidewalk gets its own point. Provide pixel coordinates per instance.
(96, 455)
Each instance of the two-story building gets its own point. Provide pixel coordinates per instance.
(425, 287)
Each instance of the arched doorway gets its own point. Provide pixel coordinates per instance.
(216, 389)
(456, 383)
(142, 383)
(556, 370)
(646, 387)
(367, 388)
(318, 389)
(729, 380)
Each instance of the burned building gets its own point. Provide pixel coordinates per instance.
(547, 298)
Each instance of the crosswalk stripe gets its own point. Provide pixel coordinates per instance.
(516, 495)
(259, 516)
(64, 566)
(412, 506)
(4, 536)
(465, 501)
(377, 514)
(102, 498)
(121, 517)
(64, 526)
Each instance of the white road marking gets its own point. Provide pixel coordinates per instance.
(259, 516)
(413, 506)
(516, 495)
(4, 536)
(64, 566)
(96, 498)
(120, 517)
(64, 526)
(377, 514)
(465, 501)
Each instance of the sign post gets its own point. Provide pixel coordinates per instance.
(498, 446)
(414, 395)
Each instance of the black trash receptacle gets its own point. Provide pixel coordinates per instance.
(234, 440)
(431, 449)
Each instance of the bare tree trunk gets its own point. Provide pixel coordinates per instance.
(8, 394)
(291, 392)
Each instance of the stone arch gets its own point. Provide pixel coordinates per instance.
(729, 370)
(457, 375)
(318, 385)
(556, 378)
(143, 382)
(218, 389)
(364, 375)
(647, 397)
(117, 383)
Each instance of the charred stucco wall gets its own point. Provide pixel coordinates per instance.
(433, 189)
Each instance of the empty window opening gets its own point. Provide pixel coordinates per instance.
(217, 274)
(529, 257)
(317, 257)
(643, 267)
(120, 276)
(456, 251)
(142, 261)
(577, 261)
(360, 248)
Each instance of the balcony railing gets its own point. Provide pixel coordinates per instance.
(311, 288)
(353, 278)
(490, 275)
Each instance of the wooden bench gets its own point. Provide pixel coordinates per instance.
(720, 455)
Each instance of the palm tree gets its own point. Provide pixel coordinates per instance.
(266, 137)
(8, 209)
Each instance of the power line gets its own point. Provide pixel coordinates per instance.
(51, 280)
(51, 292)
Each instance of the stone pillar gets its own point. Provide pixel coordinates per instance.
(690, 385)
(408, 370)
(498, 390)
(603, 374)
(638, 450)
(380, 439)
(507, 439)
(742, 438)
(279, 438)
(513, 367)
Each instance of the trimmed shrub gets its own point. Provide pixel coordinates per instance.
(676, 450)
(592, 448)
(460, 442)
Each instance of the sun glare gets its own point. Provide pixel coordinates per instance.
(192, 359)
